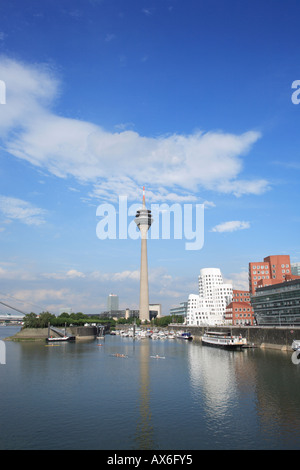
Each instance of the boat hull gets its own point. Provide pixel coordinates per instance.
(59, 340)
(232, 347)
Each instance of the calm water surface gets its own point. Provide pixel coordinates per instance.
(79, 396)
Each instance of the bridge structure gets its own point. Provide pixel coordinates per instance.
(11, 318)
(8, 317)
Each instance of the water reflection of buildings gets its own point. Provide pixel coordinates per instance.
(278, 399)
(144, 434)
(212, 379)
(252, 386)
(223, 383)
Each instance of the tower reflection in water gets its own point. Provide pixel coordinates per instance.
(144, 433)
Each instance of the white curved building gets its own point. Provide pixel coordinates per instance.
(208, 308)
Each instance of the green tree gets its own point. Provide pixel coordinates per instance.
(30, 320)
(45, 318)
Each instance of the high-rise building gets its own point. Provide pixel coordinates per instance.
(208, 308)
(272, 270)
(143, 220)
(112, 303)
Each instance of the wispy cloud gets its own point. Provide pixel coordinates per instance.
(109, 37)
(71, 274)
(69, 147)
(231, 226)
(23, 211)
(148, 11)
(239, 281)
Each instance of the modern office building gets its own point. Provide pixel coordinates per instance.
(208, 308)
(143, 220)
(295, 267)
(272, 270)
(278, 304)
(179, 310)
(112, 303)
(155, 311)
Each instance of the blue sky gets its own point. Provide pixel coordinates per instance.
(190, 98)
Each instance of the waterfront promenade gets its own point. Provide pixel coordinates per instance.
(280, 338)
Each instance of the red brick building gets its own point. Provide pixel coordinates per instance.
(240, 295)
(239, 311)
(272, 270)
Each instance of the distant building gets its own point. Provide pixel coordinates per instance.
(208, 308)
(112, 303)
(272, 270)
(155, 310)
(180, 310)
(295, 267)
(278, 304)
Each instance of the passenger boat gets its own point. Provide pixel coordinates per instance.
(59, 339)
(221, 339)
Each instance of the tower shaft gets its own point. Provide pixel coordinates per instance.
(143, 220)
(144, 287)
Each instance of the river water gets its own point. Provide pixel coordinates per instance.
(80, 396)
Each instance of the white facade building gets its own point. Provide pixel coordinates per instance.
(208, 308)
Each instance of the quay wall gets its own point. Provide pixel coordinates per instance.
(258, 336)
(40, 334)
(262, 337)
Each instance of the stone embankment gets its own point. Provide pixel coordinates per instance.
(40, 334)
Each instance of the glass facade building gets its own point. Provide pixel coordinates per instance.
(277, 305)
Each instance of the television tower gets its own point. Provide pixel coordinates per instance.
(143, 220)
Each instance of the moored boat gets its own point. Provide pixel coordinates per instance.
(58, 339)
(296, 344)
(225, 340)
(185, 335)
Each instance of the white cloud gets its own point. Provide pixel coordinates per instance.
(41, 295)
(71, 274)
(17, 209)
(16, 274)
(231, 226)
(69, 147)
(239, 281)
(118, 276)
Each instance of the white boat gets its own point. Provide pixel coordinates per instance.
(59, 339)
(225, 340)
(296, 344)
